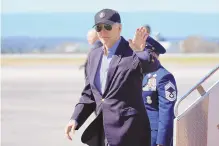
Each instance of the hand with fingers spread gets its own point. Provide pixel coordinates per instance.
(139, 40)
(70, 128)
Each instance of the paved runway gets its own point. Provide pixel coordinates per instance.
(37, 101)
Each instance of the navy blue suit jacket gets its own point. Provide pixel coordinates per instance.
(120, 109)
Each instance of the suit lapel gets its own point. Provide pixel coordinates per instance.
(112, 68)
(95, 62)
(114, 63)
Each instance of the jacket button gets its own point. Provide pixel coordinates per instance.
(102, 100)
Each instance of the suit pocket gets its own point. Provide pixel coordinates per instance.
(128, 111)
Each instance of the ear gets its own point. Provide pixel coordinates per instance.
(120, 27)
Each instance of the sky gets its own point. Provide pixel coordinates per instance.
(173, 18)
(42, 6)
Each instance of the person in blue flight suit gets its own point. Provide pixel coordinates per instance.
(159, 96)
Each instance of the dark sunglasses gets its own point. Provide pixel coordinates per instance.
(98, 28)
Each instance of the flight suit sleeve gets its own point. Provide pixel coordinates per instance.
(167, 96)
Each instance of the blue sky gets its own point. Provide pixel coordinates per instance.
(41, 6)
(47, 18)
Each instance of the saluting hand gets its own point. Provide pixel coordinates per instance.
(139, 40)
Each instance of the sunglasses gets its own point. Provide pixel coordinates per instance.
(98, 28)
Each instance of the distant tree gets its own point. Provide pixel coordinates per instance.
(196, 44)
(42, 49)
(20, 50)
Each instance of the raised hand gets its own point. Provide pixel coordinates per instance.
(139, 40)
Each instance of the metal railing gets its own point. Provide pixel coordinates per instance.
(198, 86)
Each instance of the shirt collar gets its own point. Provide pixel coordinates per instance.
(112, 50)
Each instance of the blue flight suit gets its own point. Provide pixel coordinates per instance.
(159, 96)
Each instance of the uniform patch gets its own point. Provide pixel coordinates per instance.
(149, 100)
(151, 84)
(170, 91)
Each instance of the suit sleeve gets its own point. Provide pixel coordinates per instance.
(167, 95)
(86, 104)
(148, 62)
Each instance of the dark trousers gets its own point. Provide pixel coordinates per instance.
(99, 139)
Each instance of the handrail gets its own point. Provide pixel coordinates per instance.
(197, 86)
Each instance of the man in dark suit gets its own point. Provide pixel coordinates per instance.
(113, 87)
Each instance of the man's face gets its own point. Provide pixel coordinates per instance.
(108, 33)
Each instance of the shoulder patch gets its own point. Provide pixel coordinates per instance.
(170, 91)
